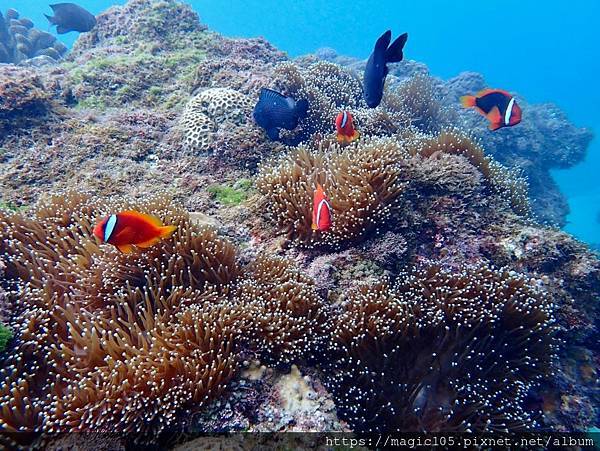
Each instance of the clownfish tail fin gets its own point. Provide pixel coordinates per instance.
(467, 101)
(167, 231)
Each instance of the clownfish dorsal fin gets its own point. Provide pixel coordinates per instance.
(494, 116)
(503, 92)
(155, 221)
(484, 92)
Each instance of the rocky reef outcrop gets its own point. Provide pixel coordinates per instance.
(22, 43)
(546, 140)
(248, 319)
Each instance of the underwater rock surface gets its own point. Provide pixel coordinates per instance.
(545, 140)
(248, 319)
(22, 43)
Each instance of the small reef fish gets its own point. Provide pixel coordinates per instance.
(131, 228)
(498, 106)
(71, 17)
(344, 124)
(376, 69)
(274, 111)
(321, 219)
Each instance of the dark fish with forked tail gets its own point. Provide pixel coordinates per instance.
(274, 111)
(71, 17)
(376, 69)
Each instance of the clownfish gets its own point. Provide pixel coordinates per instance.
(321, 219)
(131, 228)
(499, 107)
(344, 124)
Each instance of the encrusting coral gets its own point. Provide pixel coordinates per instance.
(22, 97)
(442, 352)
(209, 110)
(113, 342)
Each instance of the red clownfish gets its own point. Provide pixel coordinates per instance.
(498, 106)
(131, 228)
(321, 219)
(344, 124)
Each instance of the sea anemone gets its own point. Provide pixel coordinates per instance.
(105, 341)
(441, 351)
(508, 185)
(361, 182)
(417, 101)
(286, 318)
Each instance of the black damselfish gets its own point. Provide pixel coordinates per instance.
(274, 111)
(376, 69)
(71, 17)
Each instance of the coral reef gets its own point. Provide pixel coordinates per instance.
(247, 320)
(142, 53)
(545, 141)
(442, 352)
(21, 43)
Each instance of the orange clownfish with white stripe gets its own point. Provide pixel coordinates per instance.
(499, 107)
(321, 219)
(131, 228)
(344, 125)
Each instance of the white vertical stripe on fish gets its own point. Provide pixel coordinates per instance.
(344, 119)
(509, 109)
(319, 211)
(110, 227)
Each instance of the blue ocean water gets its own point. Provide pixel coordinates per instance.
(546, 51)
